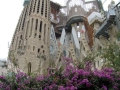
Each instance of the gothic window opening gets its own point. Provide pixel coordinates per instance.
(42, 46)
(40, 26)
(43, 51)
(39, 36)
(38, 50)
(36, 24)
(31, 27)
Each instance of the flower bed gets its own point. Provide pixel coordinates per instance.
(71, 78)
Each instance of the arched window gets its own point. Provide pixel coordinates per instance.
(43, 51)
(36, 24)
(39, 36)
(38, 50)
(40, 26)
(42, 46)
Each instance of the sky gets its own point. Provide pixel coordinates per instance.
(10, 12)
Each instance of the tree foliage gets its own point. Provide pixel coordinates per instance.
(111, 54)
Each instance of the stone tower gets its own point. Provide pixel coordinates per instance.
(30, 44)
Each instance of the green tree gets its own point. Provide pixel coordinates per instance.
(111, 54)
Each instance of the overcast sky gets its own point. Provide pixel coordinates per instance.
(10, 12)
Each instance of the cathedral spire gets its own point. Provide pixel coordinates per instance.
(31, 38)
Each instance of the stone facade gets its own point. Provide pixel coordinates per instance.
(31, 42)
(47, 31)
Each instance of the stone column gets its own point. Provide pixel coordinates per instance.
(26, 30)
(33, 27)
(29, 28)
(75, 26)
(44, 8)
(23, 17)
(40, 7)
(47, 10)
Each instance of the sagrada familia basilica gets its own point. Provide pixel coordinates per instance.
(46, 32)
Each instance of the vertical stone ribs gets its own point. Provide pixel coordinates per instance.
(31, 38)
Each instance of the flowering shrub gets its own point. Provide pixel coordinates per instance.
(71, 78)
